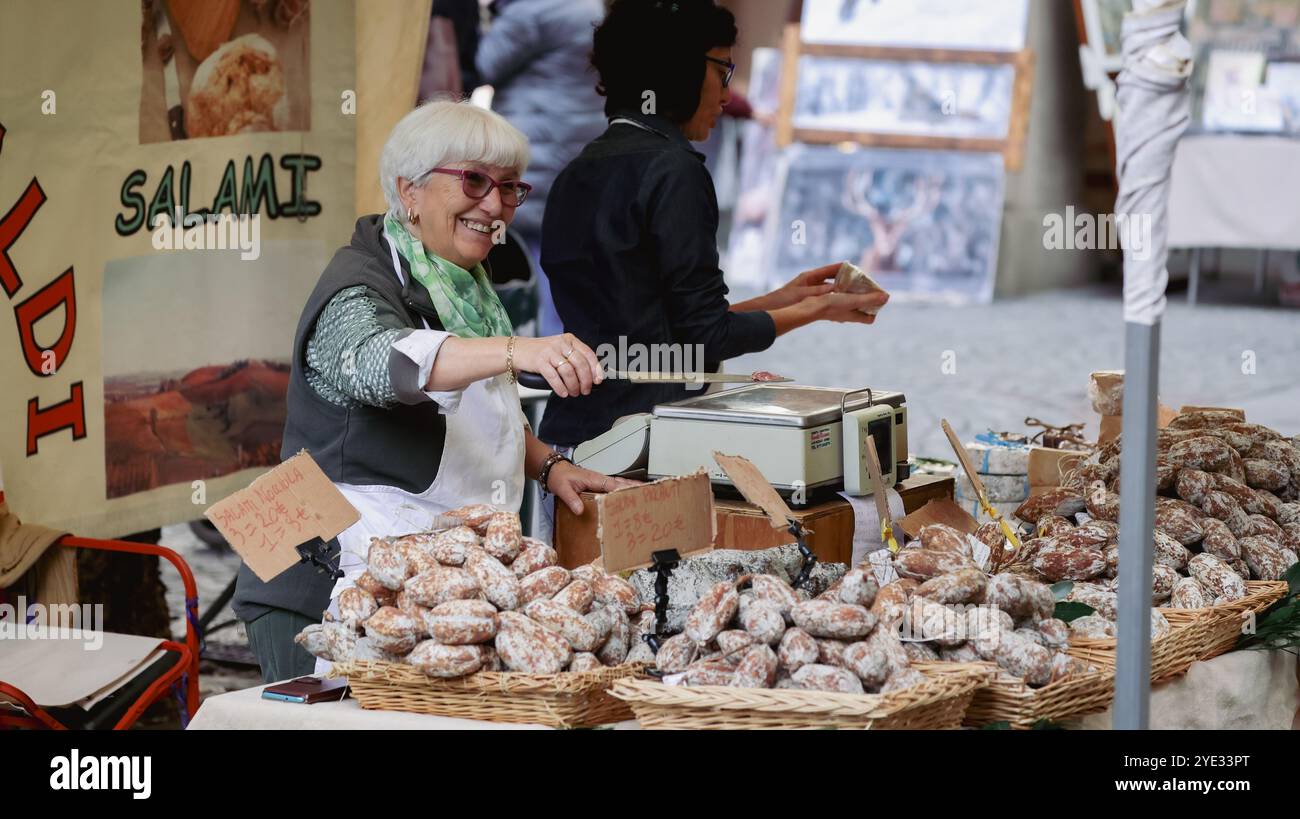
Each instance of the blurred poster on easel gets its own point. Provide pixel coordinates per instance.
(987, 25)
(923, 224)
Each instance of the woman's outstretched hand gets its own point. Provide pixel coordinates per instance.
(848, 307)
(815, 282)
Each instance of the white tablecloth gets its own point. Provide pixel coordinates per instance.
(246, 710)
(1235, 691)
(1235, 191)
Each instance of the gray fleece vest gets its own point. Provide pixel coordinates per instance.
(400, 446)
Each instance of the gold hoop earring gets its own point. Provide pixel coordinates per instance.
(412, 217)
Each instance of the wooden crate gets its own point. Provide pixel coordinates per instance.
(744, 526)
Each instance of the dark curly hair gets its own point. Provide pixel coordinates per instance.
(659, 46)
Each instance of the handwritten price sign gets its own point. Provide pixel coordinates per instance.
(289, 505)
(674, 513)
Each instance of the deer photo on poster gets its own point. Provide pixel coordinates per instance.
(923, 224)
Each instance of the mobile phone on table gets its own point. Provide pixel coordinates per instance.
(307, 690)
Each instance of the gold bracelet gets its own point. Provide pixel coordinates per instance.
(510, 360)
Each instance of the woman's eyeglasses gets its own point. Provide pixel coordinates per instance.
(731, 69)
(477, 185)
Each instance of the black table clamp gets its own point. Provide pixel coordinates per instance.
(664, 561)
(809, 559)
(317, 553)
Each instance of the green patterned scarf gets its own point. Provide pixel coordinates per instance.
(466, 303)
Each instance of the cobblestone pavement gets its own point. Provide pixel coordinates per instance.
(1031, 356)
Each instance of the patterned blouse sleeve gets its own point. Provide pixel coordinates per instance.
(361, 353)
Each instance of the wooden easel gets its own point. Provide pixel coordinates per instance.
(1082, 30)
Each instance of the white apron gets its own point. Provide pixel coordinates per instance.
(482, 462)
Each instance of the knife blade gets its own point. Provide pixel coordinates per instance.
(166, 43)
(696, 378)
(538, 382)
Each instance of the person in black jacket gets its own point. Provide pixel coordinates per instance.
(630, 230)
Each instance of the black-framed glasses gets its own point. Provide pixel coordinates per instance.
(477, 185)
(730, 66)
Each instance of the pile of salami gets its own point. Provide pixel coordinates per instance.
(757, 632)
(481, 597)
(930, 603)
(1226, 512)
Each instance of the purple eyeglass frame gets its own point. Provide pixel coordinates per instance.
(493, 184)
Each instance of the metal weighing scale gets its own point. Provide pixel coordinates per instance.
(808, 439)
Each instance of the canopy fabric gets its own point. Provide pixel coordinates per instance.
(1153, 111)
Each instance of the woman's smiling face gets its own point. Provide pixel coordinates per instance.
(453, 225)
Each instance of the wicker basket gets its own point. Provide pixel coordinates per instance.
(1195, 634)
(1004, 698)
(939, 702)
(569, 700)
(1171, 655)
(1225, 621)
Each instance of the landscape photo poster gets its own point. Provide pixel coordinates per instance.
(173, 179)
(925, 225)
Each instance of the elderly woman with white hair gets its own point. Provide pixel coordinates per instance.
(404, 365)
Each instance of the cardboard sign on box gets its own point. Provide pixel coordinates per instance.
(286, 506)
(635, 522)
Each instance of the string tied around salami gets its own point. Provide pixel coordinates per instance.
(1068, 436)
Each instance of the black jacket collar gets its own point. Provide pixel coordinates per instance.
(661, 125)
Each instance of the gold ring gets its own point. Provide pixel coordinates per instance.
(569, 353)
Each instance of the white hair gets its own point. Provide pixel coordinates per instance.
(441, 132)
